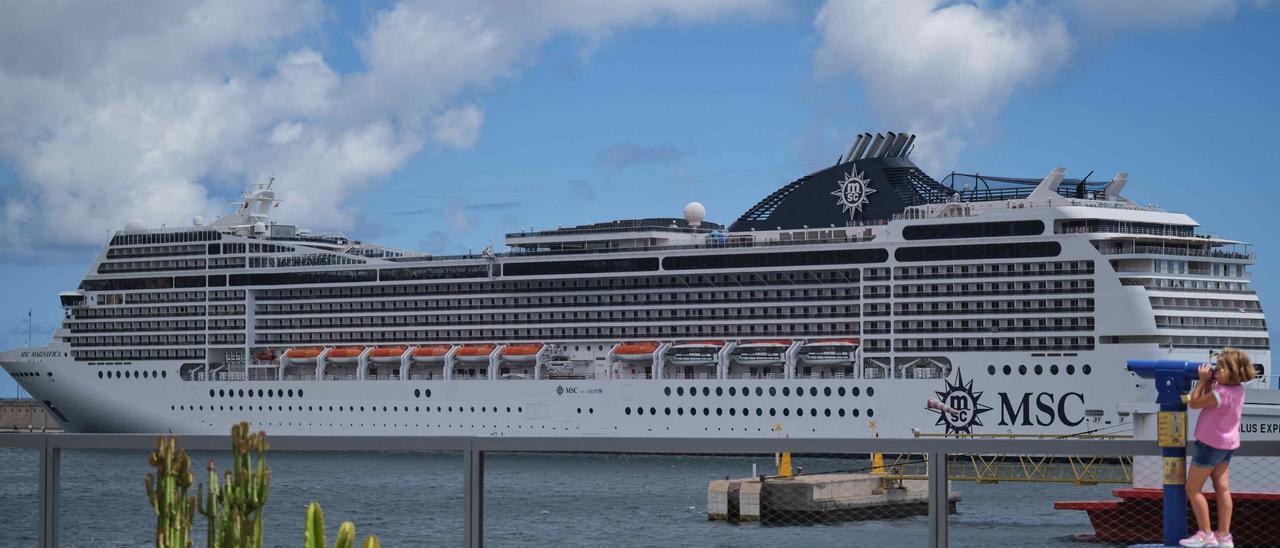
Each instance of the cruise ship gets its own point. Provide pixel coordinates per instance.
(864, 299)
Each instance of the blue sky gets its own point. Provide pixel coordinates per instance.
(567, 119)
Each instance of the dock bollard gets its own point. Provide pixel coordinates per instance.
(1173, 379)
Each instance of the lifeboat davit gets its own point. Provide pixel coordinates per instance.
(695, 352)
(521, 352)
(473, 353)
(761, 352)
(302, 355)
(636, 351)
(386, 354)
(830, 352)
(345, 354)
(431, 353)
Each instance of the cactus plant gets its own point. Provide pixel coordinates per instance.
(167, 492)
(314, 535)
(234, 508)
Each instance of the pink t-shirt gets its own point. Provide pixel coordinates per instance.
(1219, 426)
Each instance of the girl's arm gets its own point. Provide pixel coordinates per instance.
(1202, 396)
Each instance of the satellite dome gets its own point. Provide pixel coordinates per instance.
(134, 224)
(259, 228)
(198, 221)
(694, 213)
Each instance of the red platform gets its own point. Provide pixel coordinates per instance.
(1136, 517)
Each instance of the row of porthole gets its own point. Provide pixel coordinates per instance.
(1085, 369)
(418, 393)
(773, 391)
(773, 412)
(37, 374)
(269, 393)
(133, 375)
(349, 409)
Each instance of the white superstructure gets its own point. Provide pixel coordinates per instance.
(1017, 307)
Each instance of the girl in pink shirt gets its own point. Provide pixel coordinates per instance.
(1220, 397)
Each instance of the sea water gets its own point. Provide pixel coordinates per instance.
(415, 499)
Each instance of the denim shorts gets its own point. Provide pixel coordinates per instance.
(1208, 457)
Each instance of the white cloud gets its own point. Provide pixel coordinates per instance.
(153, 109)
(945, 70)
(939, 70)
(459, 127)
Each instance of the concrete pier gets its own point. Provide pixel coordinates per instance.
(25, 415)
(818, 498)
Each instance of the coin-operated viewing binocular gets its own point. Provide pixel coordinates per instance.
(1173, 377)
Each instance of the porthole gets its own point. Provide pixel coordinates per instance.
(719, 412)
(362, 409)
(733, 412)
(144, 374)
(813, 391)
(693, 411)
(786, 391)
(773, 391)
(840, 412)
(99, 374)
(667, 390)
(271, 393)
(1039, 369)
(759, 411)
(579, 410)
(666, 410)
(991, 370)
(222, 394)
(760, 391)
(732, 391)
(653, 410)
(826, 391)
(164, 375)
(773, 412)
(826, 412)
(417, 393)
(210, 392)
(854, 413)
(428, 393)
(871, 413)
(1071, 369)
(259, 392)
(840, 391)
(680, 411)
(871, 391)
(799, 391)
(626, 411)
(1053, 369)
(786, 412)
(855, 391)
(1086, 369)
(746, 392)
(706, 391)
(242, 392)
(719, 391)
(1022, 369)
(679, 390)
(290, 392)
(1008, 370)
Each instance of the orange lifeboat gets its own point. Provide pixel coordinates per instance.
(521, 352)
(636, 351)
(345, 354)
(430, 353)
(830, 352)
(762, 352)
(387, 354)
(266, 355)
(302, 355)
(475, 352)
(695, 352)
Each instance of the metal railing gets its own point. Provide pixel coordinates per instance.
(939, 452)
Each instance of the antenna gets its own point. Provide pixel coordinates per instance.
(28, 328)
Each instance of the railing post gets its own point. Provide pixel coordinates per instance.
(939, 499)
(473, 497)
(50, 470)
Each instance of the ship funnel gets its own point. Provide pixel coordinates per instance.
(856, 148)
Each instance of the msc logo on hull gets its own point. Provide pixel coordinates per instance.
(962, 407)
